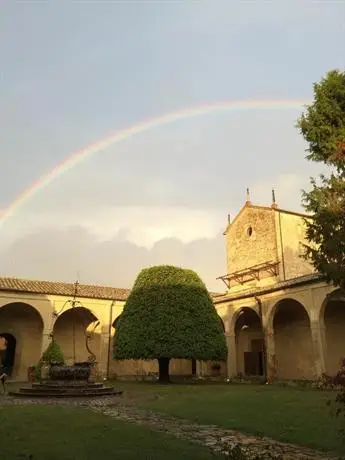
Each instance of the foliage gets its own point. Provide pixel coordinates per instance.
(52, 355)
(326, 231)
(331, 382)
(169, 314)
(323, 127)
(337, 383)
(323, 123)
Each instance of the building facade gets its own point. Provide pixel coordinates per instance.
(281, 319)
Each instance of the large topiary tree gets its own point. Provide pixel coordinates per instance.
(169, 314)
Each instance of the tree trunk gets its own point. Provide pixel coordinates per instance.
(164, 370)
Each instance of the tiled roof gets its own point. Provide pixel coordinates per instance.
(67, 289)
(63, 289)
(312, 278)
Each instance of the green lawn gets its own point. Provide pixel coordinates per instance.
(288, 414)
(70, 433)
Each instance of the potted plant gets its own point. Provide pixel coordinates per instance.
(52, 356)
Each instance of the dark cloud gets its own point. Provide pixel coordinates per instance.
(65, 255)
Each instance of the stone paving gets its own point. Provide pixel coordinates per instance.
(232, 444)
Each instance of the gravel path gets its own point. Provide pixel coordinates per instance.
(219, 440)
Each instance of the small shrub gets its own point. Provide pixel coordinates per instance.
(337, 405)
(328, 382)
(53, 356)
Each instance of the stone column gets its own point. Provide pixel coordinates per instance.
(46, 340)
(231, 361)
(103, 355)
(319, 342)
(198, 368)
(48, 328)
(270, 358)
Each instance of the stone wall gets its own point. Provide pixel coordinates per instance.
(24, 323)
(298, 345)
(251, 238)
(291, 236)
(334, 323)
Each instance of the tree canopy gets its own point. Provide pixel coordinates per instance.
(323, 123)
(169, 314)
(323, 127)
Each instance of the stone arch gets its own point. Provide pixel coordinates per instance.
(77, 331)
(332, 317)
(249, 339)
(113, 332)
(23, 325)
(116, 321)
(293, 340)
(7, 351)
(222, 323)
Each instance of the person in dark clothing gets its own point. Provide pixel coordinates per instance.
(3, 364)
(3, 376)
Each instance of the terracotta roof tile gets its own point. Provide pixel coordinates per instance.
(67, 289)
(63, 289)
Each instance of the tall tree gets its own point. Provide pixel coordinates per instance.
(323, 123)
(169, 314)
(323, 127)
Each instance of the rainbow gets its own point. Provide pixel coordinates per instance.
(78, 156)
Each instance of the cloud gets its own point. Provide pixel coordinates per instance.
(111, 245)
(162, 197)
(287, 190)
(75, 252)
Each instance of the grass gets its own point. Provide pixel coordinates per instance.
(296, 415)
(70, 433)
(291, 414)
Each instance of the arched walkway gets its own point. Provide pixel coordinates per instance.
(8, 351)
(249, 338)
(222, 323)
(334, 321)
(75, 330)
(293, 341)
(22, 327)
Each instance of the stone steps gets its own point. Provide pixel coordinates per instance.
(65, 391)
(66, 385)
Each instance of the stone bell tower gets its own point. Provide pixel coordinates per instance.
(263, 246)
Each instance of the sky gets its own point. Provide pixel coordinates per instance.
(73, 73)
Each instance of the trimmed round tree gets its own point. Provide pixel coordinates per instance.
(169, 314)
